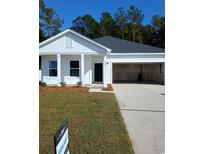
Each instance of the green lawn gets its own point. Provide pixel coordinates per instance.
(95, 122)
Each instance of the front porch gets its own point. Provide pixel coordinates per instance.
(84, 69)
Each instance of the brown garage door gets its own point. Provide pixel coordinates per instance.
(138, 72)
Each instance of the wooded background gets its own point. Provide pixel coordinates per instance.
(125, 24)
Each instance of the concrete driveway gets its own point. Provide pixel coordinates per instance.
(143, 109)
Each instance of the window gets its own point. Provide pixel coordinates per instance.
(52, 68)
(39, 62)
(74, 68)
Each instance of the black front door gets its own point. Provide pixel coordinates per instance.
(98, 72)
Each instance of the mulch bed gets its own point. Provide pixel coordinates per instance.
(66, 88)
(108, 88)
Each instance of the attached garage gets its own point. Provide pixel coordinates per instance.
(131, 62)
(136, 72)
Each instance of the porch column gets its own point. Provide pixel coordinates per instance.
(59, 68)
(104, 71)
(111, 73)
(82, 69)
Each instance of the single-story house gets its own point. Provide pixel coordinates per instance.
(72, 58)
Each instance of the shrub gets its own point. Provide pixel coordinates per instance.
(108, 88)
(79, 84)
(42, 84)
(62, 84)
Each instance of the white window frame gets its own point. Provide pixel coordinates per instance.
(52, 68)
(75, 68)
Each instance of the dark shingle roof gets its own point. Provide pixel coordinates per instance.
(124, 46)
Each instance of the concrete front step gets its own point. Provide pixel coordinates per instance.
(95, 90)
(99, 91)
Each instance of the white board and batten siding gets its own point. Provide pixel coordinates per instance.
(71, 44)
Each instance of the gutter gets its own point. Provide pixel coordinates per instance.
(133, 54)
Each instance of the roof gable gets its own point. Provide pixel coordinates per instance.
(79, 43)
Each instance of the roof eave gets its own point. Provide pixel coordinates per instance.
(130, 54)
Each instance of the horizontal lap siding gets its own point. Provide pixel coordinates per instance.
(88, 69)
(65, 69)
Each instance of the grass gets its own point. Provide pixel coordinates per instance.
(95, 122)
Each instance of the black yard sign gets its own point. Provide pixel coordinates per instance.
(61, 139)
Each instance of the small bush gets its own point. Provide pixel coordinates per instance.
(62, 84)
(108, 88)
(42, 84)
(79, 84)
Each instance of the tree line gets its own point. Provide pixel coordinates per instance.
(125, 24)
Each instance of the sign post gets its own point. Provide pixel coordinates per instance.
(61, 139)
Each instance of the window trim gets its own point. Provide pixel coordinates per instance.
(52, 68)
(75, 68)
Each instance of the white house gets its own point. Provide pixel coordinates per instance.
(71, 58)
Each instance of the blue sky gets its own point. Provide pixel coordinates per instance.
(70, 9)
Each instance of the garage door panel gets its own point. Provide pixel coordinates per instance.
(130, 72)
